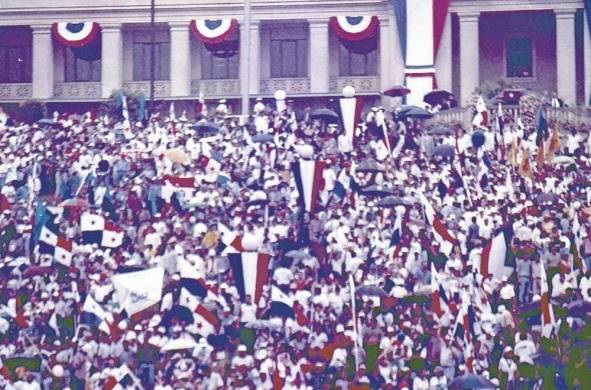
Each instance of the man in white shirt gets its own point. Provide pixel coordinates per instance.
(525, 349)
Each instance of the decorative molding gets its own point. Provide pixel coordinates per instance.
(362, 84)
(91, 90)
(161, 88)
(216, 88)
(16, 91)
(296, 85)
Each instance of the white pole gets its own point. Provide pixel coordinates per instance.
(355, 331)
(245, 59)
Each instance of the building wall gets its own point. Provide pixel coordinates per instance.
(496, 27)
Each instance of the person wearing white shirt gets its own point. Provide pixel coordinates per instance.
(525, 349)
(507, 367)
(585, 286)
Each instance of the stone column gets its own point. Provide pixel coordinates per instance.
(566, 78)
(443, 61)
(319, 56)
(387, 76)
(112, 59)
(180, 59)
(43, 62)
(255, 58)
(587, 57)
(469, 55)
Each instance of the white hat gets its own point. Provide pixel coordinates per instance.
(340, 328)
(242, 348)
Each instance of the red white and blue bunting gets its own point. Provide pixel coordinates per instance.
(354, 28)
(75, 34)
(216, 31)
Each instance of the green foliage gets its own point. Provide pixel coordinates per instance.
(111, 108)
(489, 89)
(31, 111)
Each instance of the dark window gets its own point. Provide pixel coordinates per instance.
(216, 67)
(141, 55)
(356, 64)
(78, 69)
(520, 57)
(289, 57)
(15, 64)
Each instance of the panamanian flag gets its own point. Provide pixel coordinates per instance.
(496, 258)
(250, 273)
(51, 242)
(96, 230)
(173, 184)
(440, 232)
(281, 304)
(440, 301)
(94, 315)
(206, 320)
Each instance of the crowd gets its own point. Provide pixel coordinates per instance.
(423, 311)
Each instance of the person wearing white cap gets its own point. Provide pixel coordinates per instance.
(507, 368)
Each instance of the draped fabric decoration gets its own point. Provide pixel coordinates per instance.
(75, 35)
(219, 36)
(357, 33)
(420, 26)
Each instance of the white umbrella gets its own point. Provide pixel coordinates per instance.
(564, 160)
(185, 342)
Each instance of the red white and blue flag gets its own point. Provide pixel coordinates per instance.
(75, 34)
(94, 315)
(547, 311)
(51, 242)
(172, 184)
(440, 301)
(207, 322)
(496, 258)
(212, 31)
(250, 273)
(96, 230)
(440, 232)
(309, 182)
(350, 110)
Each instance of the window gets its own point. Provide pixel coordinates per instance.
(78, 69)
(289, 57)
(221, 65)
(15, 64)
(141, 55)
(357, 64)
(519, 57)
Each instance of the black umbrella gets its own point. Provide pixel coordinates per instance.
(326, 115)
(205, 127)
(440, 130)
(391, 201)
(369, 166)
(397, 91)
(376, 190)
(263, 138)
(478, 139)
(370, 290)
(437, 96)
(471, 381)
(414, 112)
(182, 313)
(444, 151)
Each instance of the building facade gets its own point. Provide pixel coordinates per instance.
(539, 44)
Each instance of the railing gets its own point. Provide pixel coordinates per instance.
(161, 88)
(15, 91)
(362, 84)
(300, 85)
(91, 90)
(216, 88)
(574, 115)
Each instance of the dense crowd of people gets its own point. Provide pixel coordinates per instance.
(423, 312)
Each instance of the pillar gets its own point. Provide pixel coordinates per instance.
(443, 61)
(319, 56)
(566, 77)
(469, 55)
(43, 62)
(587, 58)
(180, 60)
(255, 58)
(387, 76)
(111, 60)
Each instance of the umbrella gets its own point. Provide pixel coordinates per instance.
(47, 122)
(176, 156)
(376, 190)
(560, 160)
(436, 96)
(370, 290)
(186, 342)
(258, 198)
(263, 138)
(205, 127)
(369, 166)
(478, 139)
(439, 130)
(297, 254)
(546, 198)
(391, 201)
(396, 91)
(37, 271)
(325, 115)
(444, 151)
(471, 381)
(182, 313)
(579, 309)
(414, 112)
(74, 202)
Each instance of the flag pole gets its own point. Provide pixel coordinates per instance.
(355, 330)
(245, 60)
(152, 50)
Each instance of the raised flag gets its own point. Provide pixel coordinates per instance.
(94, 315)
(439, 299)
(554, 145)
(250, 273)
(546, 309)
(525, 166)
(172, 184)
(496, 258)
(191, 279)
(137, 291)
(440, 232)
(481, 117)
(499, 135)
(281, 304)
(52, 243)
(123, 379)
(309, 182)
(96, 230)
(207, 322)
(230, 242)
(541, 126)
(397, 233)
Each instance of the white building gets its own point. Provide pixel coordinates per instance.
(541, 44)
